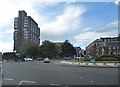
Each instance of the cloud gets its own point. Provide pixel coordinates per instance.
(88, 35)
(63, 24)
(66, 23)
(87, 29)
(117, 2)
(9, 10)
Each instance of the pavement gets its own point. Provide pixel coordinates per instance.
(85, 64)
(53, 74)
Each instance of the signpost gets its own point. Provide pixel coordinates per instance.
(17, 56)
(92, 60)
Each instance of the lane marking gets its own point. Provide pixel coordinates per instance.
(1, 83)
(81, 77)
(24, 81)
(8, 79)
(91, 81)
(55, 84)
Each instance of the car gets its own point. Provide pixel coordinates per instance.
(46, 60)
(28, 59)
(68, 58)
(40, 58)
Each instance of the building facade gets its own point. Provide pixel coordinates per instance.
(103, 46)
(26, 31)
(0, 56)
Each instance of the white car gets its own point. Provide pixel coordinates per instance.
(46, 60)
(28, 59)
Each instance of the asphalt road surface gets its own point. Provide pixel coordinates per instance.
(0, 74)
(39, 73)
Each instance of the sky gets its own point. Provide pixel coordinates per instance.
(77, 21)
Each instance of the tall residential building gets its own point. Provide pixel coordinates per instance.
(26, 31)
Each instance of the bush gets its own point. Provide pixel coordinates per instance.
(107, 58)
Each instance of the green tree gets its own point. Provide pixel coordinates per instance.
(59, 49)
(48, 49)
(29, 50)
(67, 49)
(119, 37)
(33, 51)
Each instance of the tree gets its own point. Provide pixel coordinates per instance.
(32, 51)
(67, 49)
(29, 50)
(48, 49)
(59, 49)
(118, 37)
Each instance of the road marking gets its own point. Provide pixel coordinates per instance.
(1, 83)
(91, 81)
(8, 79)
(81, 77)
(23, 81)
(55, 84)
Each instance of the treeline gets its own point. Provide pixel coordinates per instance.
(49, 49)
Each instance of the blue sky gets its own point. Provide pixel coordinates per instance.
(79, 22)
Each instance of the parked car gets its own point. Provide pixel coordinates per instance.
(46, 60)
(68, 58)
(40, 58)
(28, 59)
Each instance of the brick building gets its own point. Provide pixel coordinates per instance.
(103, 46)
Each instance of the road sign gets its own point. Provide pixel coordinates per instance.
(17, 54)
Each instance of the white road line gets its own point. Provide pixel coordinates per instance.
(1, 83)
(23, 81)
(8, 79)
(91, 81)
(81, 77)
(55, 84)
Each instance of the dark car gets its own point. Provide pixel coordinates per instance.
(68, 58)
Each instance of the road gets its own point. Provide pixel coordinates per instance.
(39, 73)
(0, 74)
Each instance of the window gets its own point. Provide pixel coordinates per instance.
(25, 25)
(16, 29)
(15, 23)
(15, 26)
(114, 53)
(114, 47)
(15, 32)
(26, 37)
(15, 38)
(109, 47)
(25, 34)
(25, 31)
(16, 20)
